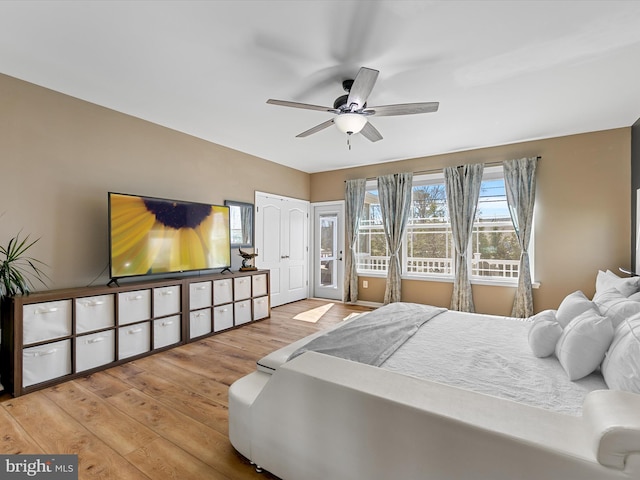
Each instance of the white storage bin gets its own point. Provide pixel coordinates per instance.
(94, 350)
(45, 321)
(166, 331)
(94, 313)
(199, 323)
(134, 306)
(199, 295)
(260, 308)
(46, 362)
(259, 285)
(133, 340)
(242, 312)
(222, 291)
(166, 301)
(222, 317)
(241, 288)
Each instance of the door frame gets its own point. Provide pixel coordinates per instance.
(306, 262)
(340, 204)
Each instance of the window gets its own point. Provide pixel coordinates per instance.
(428, 249)
(372, 255)
(428, 240)
(494, 250)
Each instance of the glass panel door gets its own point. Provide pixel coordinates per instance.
(328, 250)
(328, 240)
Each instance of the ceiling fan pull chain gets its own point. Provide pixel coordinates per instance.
(349, 141)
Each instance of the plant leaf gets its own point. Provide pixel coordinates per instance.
(19, 272)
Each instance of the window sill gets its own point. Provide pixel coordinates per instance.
(449, 279)
(373, 274)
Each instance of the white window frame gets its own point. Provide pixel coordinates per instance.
(491, 173)
(418, 180)
(370, 185)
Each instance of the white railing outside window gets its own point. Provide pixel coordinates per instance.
(490, 235)
(494, 268)
(479, 267)
(441, 266)
(369, 264)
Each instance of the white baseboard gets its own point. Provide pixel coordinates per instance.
(361, 303)
(368, 304)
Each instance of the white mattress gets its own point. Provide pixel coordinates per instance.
(490, 355)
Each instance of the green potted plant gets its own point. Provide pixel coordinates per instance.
(18, 271)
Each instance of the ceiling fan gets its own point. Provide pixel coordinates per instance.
(351, 109)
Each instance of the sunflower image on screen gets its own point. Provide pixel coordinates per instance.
(152, 235)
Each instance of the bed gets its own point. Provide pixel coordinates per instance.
(418, 392)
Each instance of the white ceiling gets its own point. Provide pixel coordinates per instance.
(503, 71)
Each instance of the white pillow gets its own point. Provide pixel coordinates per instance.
(544, 333)
(621, 365)
(583, 344)
(608, 296)
(635, 297)
(616, 306)
(573, 305)
(607, 280)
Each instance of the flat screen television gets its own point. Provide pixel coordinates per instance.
(149, 236)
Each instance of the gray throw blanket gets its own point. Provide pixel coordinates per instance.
(373, 337)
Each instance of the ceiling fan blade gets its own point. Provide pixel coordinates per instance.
(306, 106)
(402, 109)
(315, 129)
(362, 86)
(371, 132)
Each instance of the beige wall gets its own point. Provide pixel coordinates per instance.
(60, 156)
(582, 218)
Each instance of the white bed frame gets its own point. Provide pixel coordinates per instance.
(321, 417)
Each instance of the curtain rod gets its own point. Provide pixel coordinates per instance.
(434, 170)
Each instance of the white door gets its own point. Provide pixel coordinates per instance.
(328, 249)
(282, 245)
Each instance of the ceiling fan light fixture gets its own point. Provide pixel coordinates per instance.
(350, 123)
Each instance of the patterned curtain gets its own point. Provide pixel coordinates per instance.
(395, 204)
(520, 183)
(462, 185)
(354, 201)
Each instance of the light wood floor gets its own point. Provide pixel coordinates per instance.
(160, 417)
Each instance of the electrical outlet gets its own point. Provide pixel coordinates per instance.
(365, 284)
